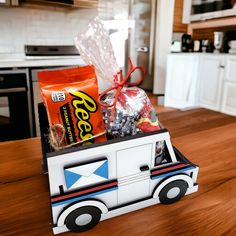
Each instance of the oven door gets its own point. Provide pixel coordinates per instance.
(37, 98)
(15, 114)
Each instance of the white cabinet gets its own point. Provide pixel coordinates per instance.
(201, 80)
(181, 80)
(210, 77)
(229, 98)
(229, 88)
(230, 68)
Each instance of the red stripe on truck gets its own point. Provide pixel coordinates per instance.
(155, 172)
(81, 192)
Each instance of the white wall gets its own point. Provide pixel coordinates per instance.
(51, 25)
(20, 26)
(164, 30)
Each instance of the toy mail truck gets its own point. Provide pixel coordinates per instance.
(92, 183)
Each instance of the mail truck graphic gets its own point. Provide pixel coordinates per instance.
(85, 174)
(93, 183)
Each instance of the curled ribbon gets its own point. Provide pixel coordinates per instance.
(119, 82)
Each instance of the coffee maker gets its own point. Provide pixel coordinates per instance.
(187, 43)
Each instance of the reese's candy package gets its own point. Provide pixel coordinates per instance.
(70, 96)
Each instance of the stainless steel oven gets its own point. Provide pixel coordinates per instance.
(36, 94)
(15, 105)
(40, 52)
(37, 98)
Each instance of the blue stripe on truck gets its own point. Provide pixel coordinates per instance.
(84, 197)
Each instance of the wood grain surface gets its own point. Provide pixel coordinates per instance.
(178, 15)
(207, 138)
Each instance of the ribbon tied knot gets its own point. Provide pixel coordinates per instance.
(119, 83)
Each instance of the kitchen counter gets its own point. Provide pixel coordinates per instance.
(206, 137)
(19, 60)
(201, 53)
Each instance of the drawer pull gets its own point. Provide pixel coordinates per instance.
(12, 90)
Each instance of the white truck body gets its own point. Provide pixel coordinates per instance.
(114, 178)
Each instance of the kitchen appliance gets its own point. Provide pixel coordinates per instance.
(218, 41)
(136, 37)
(197, 46)
(50, 50)
(205, 45)
(15, 105)
(219, 5)
(59, 3)
(176, 42)
(36, 92)
(232, 45)
(205, 6)
(175, 46)
(197, 6)
(140, 40)
(47, 52)
(208, 6)
(229, 36)
(187, 44)
(198, 10)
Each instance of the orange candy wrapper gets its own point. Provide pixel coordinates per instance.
(70, 97)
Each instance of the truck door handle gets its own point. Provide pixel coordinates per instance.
(144, 168)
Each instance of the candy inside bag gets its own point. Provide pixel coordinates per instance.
(70, 97)
(134, 113)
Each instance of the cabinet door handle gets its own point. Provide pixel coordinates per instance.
(221, 66)
(144, 168)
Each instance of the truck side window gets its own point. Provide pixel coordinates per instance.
(162, 154)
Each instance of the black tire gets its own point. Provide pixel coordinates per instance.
(91, 212)
(180, 186)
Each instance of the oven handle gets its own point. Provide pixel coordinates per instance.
(12, 90)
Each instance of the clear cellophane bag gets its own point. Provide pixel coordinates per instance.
(126, 110)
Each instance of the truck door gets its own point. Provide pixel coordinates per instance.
(133, 173)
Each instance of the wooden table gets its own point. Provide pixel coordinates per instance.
(205, 137)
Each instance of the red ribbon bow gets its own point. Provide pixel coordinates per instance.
(119, 82)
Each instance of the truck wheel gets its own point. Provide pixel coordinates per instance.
(173, 191)
(83, 218)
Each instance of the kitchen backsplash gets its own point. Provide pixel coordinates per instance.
(20, 26)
